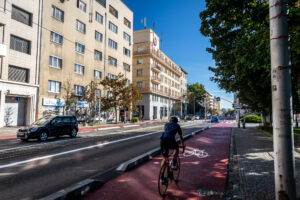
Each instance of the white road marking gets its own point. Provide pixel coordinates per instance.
(108, 128)
(130, 126)
(76, 150)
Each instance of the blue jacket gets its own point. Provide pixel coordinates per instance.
(170, 130)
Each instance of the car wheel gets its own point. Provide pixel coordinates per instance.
(43, 136)
(73, 133)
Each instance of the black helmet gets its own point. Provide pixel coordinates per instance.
(174, 120)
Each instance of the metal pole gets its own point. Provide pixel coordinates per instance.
(194, 106)
(238, 119)
(169, 103)
(283, 137)
(205, 108)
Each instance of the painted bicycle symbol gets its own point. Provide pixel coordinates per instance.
(196, 152)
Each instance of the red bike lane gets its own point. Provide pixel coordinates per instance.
(203, 166)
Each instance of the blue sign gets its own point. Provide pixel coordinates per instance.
(218, 99)
(17, 99)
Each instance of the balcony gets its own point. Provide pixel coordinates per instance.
(159, 55)
(155, 79)
(159, 92)
(156, 68)
(3, 50)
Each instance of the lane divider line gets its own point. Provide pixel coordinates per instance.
(74, 150)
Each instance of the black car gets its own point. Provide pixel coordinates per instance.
(49, 126)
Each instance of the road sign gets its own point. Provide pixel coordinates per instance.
(237, 108)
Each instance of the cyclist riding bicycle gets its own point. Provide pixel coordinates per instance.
(168, 141)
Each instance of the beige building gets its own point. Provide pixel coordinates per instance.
(157, 76)
(19, 61)
(83, 40)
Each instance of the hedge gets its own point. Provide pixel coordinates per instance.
(251, 119)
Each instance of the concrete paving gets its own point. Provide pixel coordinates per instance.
(253, 165)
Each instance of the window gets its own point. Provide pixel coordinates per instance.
(126, 52)
(126, 67)
(98, 93)
(140, 49)
(99, 18)
(113, 11)
(112, 61)
(102, 2)
(113, 27)
(127, 22)
(21, 15)
(80, 48)
(139, 84)
(127, 37)
(18, 74)
(78, 69)
(81, 5)
(57, 14)
(139, 61)
(112, 44)
(80, 26)
(98, 36)
(56, 38)
(54, 86)
(55, 62)
(78, 90)
(98, 55)
(139, 72)
(112, 76)
(20, 44)
(97, 74)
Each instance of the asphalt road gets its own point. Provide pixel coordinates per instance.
(34, 170)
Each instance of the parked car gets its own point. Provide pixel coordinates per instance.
(189, 117)
(49, 126)
(197, 117)
(215, 119)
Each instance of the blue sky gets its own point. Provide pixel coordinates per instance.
(182, 41)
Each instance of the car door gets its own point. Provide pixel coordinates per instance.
(67, 125)
(56, 126)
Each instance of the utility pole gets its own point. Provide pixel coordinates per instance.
(283, 137)
(194, 105)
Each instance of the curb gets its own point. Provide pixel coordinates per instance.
(80, 189)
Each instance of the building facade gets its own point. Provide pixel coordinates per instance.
(20, 31)
(157, 77)
(83, 41)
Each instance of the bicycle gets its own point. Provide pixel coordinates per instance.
(167, 175)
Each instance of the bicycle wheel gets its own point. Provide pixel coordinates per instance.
(177, 171)
(163, 180)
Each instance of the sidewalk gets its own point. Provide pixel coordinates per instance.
(253, 165)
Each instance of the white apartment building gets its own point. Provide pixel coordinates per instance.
(19, 61)
(157, 77)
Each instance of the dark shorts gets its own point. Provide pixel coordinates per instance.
(166, 144)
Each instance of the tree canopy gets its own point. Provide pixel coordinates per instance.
(240, 45)
(196, 94)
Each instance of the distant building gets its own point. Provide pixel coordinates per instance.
(20, 31)
(157, 76)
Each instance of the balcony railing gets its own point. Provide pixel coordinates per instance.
(159, 92)
(156, 68)
(156, 79)
(160, 56)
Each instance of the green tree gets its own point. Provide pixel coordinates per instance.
(119, 94)
(195, 96)
(240, 45)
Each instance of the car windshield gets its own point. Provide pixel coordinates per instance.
(42, 121)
